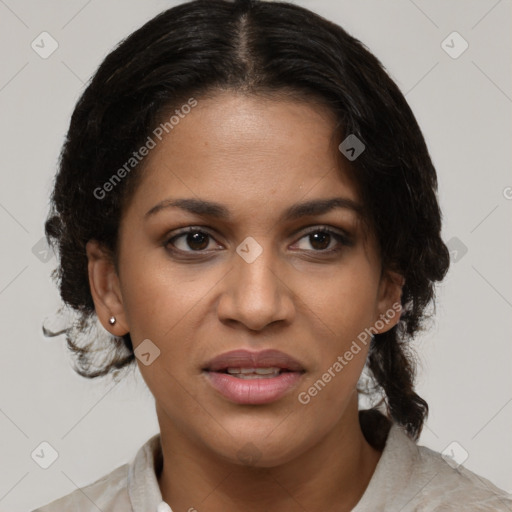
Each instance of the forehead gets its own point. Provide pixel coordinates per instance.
(249, 152)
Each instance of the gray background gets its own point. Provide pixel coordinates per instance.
(463, 106)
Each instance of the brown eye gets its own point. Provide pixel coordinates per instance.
(324, 240)
(320, 240)
(193, 240)
(197, 241)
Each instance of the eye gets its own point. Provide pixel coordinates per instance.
(195, 239)
(325, 240)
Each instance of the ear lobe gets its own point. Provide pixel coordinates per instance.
(389, 307)
(105, 289)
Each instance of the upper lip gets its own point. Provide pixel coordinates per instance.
(246, 359)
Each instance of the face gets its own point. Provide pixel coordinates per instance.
(198, 284)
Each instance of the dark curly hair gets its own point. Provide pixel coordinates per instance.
(255, 47)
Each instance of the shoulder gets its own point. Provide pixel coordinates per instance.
(414, 478)
(132, 486)
(109, 494)
(449, 485)
(438, 484)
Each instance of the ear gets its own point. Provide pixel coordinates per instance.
(389, 306)
(105, 288)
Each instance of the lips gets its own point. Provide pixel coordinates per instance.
(245, 377)
(243, 359)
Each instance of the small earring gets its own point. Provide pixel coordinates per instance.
(112, 320)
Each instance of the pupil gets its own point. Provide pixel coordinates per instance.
(315, 237)
(197, 240)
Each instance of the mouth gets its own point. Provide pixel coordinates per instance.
(245, 362)
(255, 373)
(245, 377)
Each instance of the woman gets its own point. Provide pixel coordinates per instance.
(247, 205)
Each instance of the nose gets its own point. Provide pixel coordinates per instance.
(256, 292)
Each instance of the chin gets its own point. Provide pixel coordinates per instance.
(270, 447)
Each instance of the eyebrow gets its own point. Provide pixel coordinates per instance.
(296, 211)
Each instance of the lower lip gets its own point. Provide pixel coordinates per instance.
(253, 391)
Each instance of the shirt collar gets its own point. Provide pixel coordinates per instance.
(143, 488)
(398, 459)
(145, 495)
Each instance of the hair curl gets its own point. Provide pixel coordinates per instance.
(253, 47)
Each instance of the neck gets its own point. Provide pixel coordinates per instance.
(331, 475)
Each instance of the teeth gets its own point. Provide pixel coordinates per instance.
(253, 373)
(260, 371)
(255, 376)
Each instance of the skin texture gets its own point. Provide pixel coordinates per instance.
(257, 157)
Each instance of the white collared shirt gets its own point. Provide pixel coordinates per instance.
(408, 478)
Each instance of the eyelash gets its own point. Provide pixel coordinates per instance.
(342, 239)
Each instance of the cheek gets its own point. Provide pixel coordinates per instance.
(343, 309)
(158, 296)
(345, 303)
(170, 376)
(168, 306)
